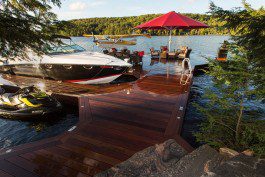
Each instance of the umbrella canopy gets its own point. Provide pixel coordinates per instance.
(170, 21)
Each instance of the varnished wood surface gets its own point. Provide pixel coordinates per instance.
(115, 121)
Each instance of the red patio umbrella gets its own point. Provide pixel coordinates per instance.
(171, 21)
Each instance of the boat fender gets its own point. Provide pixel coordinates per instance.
(88, 67)
(48, 66)
(68, 67)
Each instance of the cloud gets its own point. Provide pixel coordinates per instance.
(81, 5)
(97, 3)
(77, 6)
(191, 1)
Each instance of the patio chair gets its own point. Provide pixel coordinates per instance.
(126, 53)
(113, 51)
(164, 54)
(136, 57)
(164, 48)
(154, 53)
(185, 53)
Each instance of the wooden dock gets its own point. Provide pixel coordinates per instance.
(115, 121)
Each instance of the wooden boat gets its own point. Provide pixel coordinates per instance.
(112, 41)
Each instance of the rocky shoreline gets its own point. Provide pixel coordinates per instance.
(170, 159)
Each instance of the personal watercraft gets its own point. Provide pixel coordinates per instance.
(25, 103)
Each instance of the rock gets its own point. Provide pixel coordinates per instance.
(198, 163)
(240, 166)
(228, 152)
(170, 159)
(149, 162)
(248, 152)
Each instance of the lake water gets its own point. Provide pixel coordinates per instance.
(18, 132)
(202, 46)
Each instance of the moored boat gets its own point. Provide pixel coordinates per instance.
(69, 63)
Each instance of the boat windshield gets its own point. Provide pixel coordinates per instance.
(65, 49)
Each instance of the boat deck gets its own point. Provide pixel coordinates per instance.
(115, 121)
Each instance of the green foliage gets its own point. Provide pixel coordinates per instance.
(25, 24)
(125, 25)
(229, 121)
(248, 26)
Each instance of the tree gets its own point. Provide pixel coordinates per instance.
(236, 82)
(124, 25)
(26, 24)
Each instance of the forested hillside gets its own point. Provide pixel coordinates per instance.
(125, 25)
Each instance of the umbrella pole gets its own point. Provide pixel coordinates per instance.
(170, 40)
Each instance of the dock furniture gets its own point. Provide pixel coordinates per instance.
(184, 53)
(174, 54)
(113, 51)
(154, 53)
(164, 52)
(164, 48)
(125, 53)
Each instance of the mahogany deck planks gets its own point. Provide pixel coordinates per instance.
(148, 134)
(114, 153)
(115, 138)
(134, 103)
(78, 158)
(4, 174)
(64, 161)
(138, 112)
(90, 154)
(49, 166)
(14, 170)
(103, 144)
(144, 122)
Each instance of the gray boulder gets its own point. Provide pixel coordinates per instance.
(152, 161)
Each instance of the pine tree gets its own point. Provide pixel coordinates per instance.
(26, 24)
(236, 82)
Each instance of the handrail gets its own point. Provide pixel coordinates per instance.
(185, 71)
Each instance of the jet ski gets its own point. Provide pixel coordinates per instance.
(25, 103)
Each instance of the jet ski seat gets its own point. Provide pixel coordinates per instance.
(6, 97)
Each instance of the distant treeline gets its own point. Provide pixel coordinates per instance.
(125, 25)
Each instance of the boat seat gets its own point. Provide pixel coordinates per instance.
(6, 96)
(11, 99)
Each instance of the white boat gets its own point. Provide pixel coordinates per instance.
(69, 63)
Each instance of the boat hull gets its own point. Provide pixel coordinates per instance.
(82, 74)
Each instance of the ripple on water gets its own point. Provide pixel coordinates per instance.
(15, 132)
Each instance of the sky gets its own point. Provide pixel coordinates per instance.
(75, 9)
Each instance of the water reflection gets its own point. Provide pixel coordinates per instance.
(15, 132)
